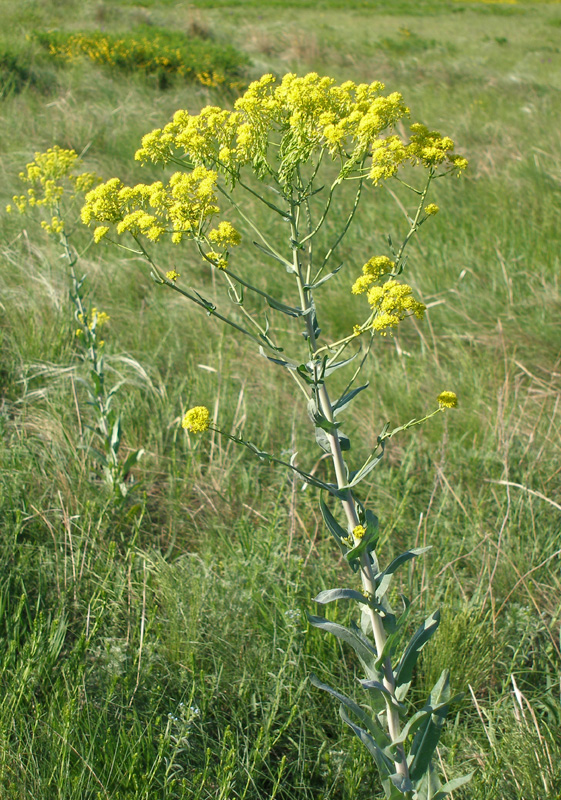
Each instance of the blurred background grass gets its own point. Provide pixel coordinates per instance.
(161, 650)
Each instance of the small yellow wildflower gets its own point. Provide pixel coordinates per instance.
(431, 209)
(371, 272)
(391, 303)
(447, 400)
(224, 235)
(99, 233)
(216, 260)
(97, 318)
(56, 225)
(359, 531)
(196, 420)
(172, 275)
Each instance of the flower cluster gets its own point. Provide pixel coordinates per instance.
(302, 115)
(197, 419)
(48, 177)
(90, 323)
(181, 208)
(431, 149)
(447, 400)
(161, 53)
(390, 304)
(371, 272)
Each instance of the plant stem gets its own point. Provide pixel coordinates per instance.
(349, 507)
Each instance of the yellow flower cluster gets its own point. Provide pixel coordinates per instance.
(371, 272)
(135, 53)
(216, 259)
(359, 531)
(196, 420)
(94, 320)
(432, 149)
(303, 115)
(391, 303)
(180, 208)
(172, 275)
(447, 400)
(431, 209)
(224, 235)
(48, 177)
(55, 226)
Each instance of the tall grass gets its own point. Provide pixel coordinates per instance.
(137, 659)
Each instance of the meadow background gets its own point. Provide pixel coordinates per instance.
(159, 648)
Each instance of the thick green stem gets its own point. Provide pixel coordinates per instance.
(349, 507)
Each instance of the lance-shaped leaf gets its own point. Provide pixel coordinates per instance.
(380, 736)
(372, 461)
(329, 368)
(404, 671)
(402, 783)
(116, 435)
(428, 734)
(331, 595)
(289, 267)
(427, 787)
(132, 459)
(209, 306)
(324, 279)
(360, 644)
(384, 579)
(383, 761)
(451, 785)
(422, 716)
(307, 375)
(282, 362)
(378, 686)
(336, 530)
(95, 379)
(290, 311)
(345, 399)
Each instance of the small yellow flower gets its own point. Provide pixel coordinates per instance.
(196, 420)
(359, 531)
(447, 400)
(431, 209)
(224, 235)
(99, 233)
(172, 275)
(97, 318)
(216, 260)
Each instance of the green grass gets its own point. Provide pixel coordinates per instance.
(161, 650)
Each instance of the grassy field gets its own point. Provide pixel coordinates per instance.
(158, 648)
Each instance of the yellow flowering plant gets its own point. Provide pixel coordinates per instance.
(53, 185)
(277, 147)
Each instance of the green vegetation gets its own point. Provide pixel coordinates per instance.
(159, 649)
(151, 51)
